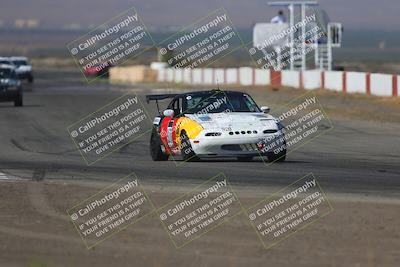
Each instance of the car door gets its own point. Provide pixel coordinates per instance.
(168, 127)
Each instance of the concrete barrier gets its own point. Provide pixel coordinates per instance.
(290, 78)
(178, 75)
(246, 76)
(381, 84)
(334, 80)
(208, 76)
(342, 81)
(187, 76)
(161, 75)
(197, 76)
(311, 79)
(232, 76)
(170, 75)
(262, 77)
(220, 76)
(356, 82)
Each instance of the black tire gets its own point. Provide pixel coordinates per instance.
(280, 157)
(186, 149)
(30, 79)
(18, 102)
(155, 148)
(245, 158)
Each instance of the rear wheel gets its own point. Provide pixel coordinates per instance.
(30, 79)
(18, 102)
(155, 148)
(186, 148)
(280, 157)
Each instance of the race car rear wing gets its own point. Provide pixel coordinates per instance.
(159, 97)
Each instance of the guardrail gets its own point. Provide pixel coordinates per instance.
(342, 81)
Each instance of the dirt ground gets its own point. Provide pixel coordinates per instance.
(35, 231)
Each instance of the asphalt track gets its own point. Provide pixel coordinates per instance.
(354, 157)
(42, 175)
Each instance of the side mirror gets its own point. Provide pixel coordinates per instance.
(265, 109)
(168, 113)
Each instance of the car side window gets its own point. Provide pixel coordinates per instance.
(176, 105)
(251, 105)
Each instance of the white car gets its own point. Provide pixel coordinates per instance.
(10, 86)
(23, 68)
(7, 61)
(215, 123)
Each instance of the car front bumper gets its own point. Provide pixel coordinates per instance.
(24, 75)
(231, 146)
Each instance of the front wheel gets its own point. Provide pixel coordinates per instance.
(186, 148)
(18, 102)
(155, 148)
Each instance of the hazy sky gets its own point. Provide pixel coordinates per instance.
(354, 14)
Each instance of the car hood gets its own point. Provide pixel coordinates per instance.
(233, 119)
(23, 68)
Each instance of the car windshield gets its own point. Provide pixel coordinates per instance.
(20, 62)
(7, 62)
(219, 102)
(5, 73)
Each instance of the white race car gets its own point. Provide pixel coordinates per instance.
(21, 65)
(215, 123)
(23, 68)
